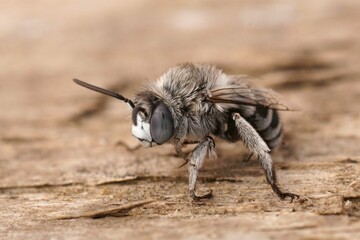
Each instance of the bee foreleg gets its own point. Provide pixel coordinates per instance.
(257, 145)
(196, 158)
(180, 138)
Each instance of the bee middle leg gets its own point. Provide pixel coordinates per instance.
(257, 145)
(195, 159)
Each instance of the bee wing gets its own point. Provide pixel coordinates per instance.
(242, 92)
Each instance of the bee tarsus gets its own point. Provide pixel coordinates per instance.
(283, 195)
(200, 197)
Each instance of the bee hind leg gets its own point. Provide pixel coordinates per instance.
(272, 180)
(195, 160)
(257, 145)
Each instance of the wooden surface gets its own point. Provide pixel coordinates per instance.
(68, 168)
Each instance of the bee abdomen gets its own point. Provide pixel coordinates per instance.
(267, 123)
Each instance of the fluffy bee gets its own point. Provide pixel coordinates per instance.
(195, 101)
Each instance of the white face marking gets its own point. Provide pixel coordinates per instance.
(141, 130)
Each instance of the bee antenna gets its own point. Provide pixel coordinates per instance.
(104, 91)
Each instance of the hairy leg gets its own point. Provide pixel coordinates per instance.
(195, 159)
(181, 153)
(180, 138)
(257, 145)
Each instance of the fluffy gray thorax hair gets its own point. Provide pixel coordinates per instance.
(185, 90)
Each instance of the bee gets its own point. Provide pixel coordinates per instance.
(198, 102)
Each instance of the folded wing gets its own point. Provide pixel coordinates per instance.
(242, 92)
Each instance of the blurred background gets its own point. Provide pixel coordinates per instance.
(54, 133)
(46, 44)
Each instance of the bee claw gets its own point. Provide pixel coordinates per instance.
(197, 198)
(292, 196)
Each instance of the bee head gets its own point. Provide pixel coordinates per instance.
(153, 124)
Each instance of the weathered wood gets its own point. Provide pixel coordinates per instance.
(66, 151)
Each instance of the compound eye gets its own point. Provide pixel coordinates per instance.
(161, 124)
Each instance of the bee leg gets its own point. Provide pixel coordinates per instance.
(249, 157)
(196, 158)
(270, 173)
(180, 138)
(178, 148)
(182, 154)
(256, 144)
